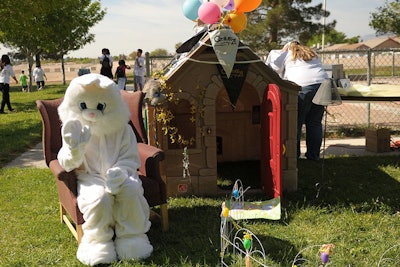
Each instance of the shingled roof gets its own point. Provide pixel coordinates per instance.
(375, 43)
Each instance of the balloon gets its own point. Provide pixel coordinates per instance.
(235, 193)
(246, 5)
(237, 21)
(209, 13)
(220, 3)
(230, 5)
(190, 9)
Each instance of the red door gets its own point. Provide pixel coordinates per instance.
(271, 144)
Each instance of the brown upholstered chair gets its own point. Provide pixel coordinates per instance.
(149, 171)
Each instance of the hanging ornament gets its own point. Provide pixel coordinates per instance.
(185, 164)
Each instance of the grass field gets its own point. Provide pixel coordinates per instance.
(357, 210)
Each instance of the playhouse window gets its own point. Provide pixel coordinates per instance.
(182, 120)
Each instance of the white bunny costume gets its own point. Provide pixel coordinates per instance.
(100, 145)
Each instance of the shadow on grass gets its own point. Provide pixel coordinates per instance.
(365, 183)
(193, 238)
(368, 182)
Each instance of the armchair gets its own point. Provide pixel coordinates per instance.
(149, 171)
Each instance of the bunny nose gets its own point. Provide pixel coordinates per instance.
(91, 115)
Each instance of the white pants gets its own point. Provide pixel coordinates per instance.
(125, 214)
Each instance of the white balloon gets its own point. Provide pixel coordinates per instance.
(220, 3)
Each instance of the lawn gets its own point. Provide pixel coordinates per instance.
(357, 210)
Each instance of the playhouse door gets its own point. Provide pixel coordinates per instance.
(271, 145)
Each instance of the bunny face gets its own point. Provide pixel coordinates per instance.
(95, 101)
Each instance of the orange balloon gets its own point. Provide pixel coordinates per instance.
(237, 21)
(246, 5)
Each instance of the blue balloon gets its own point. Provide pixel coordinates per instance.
(190, 9)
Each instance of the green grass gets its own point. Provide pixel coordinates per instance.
(377, 71)
(22, 129)
(357, 210)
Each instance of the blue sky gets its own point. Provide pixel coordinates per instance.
(152, 24)
(352, 16)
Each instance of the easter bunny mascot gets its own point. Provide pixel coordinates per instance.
(99, 144)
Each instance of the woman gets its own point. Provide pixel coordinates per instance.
(106, 62)
(6, 71)
(300, 64)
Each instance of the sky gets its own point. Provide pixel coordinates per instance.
(152, 24)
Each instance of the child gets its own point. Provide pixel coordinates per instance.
(23, 80)
(120, 74)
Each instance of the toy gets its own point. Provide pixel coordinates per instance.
(234, 247)
(98, 143)
(307, 257)
(326, 250)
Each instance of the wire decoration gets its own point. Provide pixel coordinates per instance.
(391, 257)
(321, 257)
(239, 246)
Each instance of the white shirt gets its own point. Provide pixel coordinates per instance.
(139, 66)
(110, 59)
(38, 74)
(6, 73)
(299, 71)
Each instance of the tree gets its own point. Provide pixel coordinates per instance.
(387, 18)
(20, 33)
(71, 32)
(277, 21)
(159, 52)
(53, 28)
(332, 37)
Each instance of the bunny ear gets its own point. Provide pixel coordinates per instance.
(92, 80)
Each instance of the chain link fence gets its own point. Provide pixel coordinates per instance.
(365, 67)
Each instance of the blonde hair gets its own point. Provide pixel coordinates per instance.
(301, 52)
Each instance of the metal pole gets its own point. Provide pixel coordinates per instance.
(323, 28)
(147, 65)
(369, 83)
(393, 63)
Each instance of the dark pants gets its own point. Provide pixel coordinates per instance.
(39, 84)
(311, 115)
(5, 89)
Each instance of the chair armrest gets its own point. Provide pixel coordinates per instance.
(150, 158)
(68, 178)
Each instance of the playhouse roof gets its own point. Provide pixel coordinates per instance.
(203, 53)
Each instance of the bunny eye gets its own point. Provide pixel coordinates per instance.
(101, 106)
(82, 105)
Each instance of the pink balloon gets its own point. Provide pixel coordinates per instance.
(209, 13)
(230, 5)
